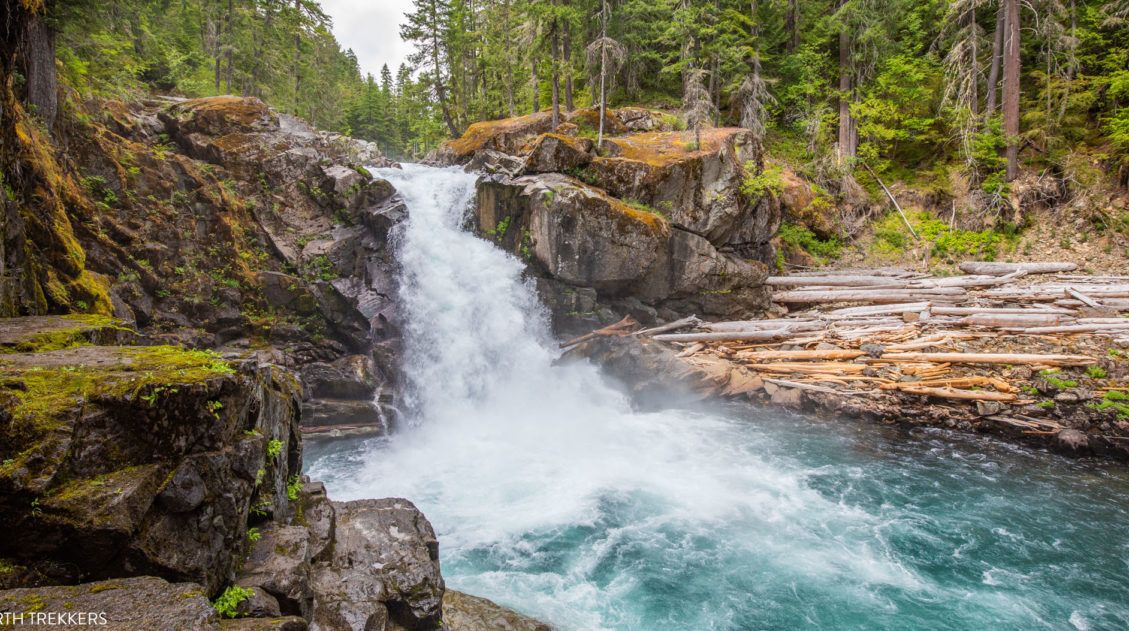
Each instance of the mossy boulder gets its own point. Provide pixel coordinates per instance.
(698, 186)
(115, 459)
(557, 153)
(50, 333)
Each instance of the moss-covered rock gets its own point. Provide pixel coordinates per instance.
(103, 447)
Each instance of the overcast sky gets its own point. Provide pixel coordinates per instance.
(372, 29)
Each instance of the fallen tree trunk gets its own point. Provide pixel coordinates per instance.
(823, 355)
(943, 294)
(1006, 320)
(829, 281)
(991, 358)
(954, 393)
(999, 269)
(960, 311)
(905, 307)
(671, 326)
(732, 336)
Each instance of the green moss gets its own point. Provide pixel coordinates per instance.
(33, 603)
(1061, 384)
(769, 182)
(68, 337)
(104, 587)
(47, 390)
(8, 568)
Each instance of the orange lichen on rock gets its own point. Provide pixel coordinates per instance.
(667, 147)
(219, 114)
(497, 134)
(654, 221)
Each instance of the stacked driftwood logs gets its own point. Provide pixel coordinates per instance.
(862, 332)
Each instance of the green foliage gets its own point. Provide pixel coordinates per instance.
(769, 182)
(228, 602)
(293, 488)
(1095, 372)
(945, 242)
(1056, 382)
(253, 535)
(274, 447)
(802, 238)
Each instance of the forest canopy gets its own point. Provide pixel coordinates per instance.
(897, 85)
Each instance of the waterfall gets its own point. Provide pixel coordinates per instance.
(552, 496)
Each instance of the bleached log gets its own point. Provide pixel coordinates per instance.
(905, 307)
(670, 326)
(991, 358)
(954, 393)
(1078, 328)
(810, 387)
(970, 281)
(755, 325)
(1005, 320)
(728, 336)
(828, 281)
(944, 294)
(800, 355)
(999, 269)
(961, 311)
(1088, 301)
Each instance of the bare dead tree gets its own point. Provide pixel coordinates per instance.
(605, 57)
(697, 103)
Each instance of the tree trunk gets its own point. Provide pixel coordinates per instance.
(997, 52)
(1011, 89)
(39, 69)
(509, 64)
(568, 66)
(846, 123)
(792, 25)
(554, 44)
(297, 53)
(536, 87)
(229, 46)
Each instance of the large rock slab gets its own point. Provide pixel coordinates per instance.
(463, 612)
(698, 187)
(384, 567)
(127, 460)
(128, 604)
(576, 234)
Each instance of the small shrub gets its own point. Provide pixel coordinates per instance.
(802, 238)
(274, 447)
(769, 182)
(229, 601)
(1095, 372)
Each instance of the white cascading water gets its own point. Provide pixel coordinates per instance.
(551, 495)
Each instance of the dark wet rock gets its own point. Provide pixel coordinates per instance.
(129, 604)
(463, 612)
(350, 377)
(574, 234)
(1072, 440)
(150, 468)
(556, 153)
(279, 564)
(321, 520)
(259, 604)
(385, 565)
(352, 412)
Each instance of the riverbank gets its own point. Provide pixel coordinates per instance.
(1033, 358)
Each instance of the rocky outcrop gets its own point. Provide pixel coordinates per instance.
(698, 187)
(463, 612)
(127, 460)
(586, 240)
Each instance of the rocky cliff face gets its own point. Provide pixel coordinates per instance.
(649, 225)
